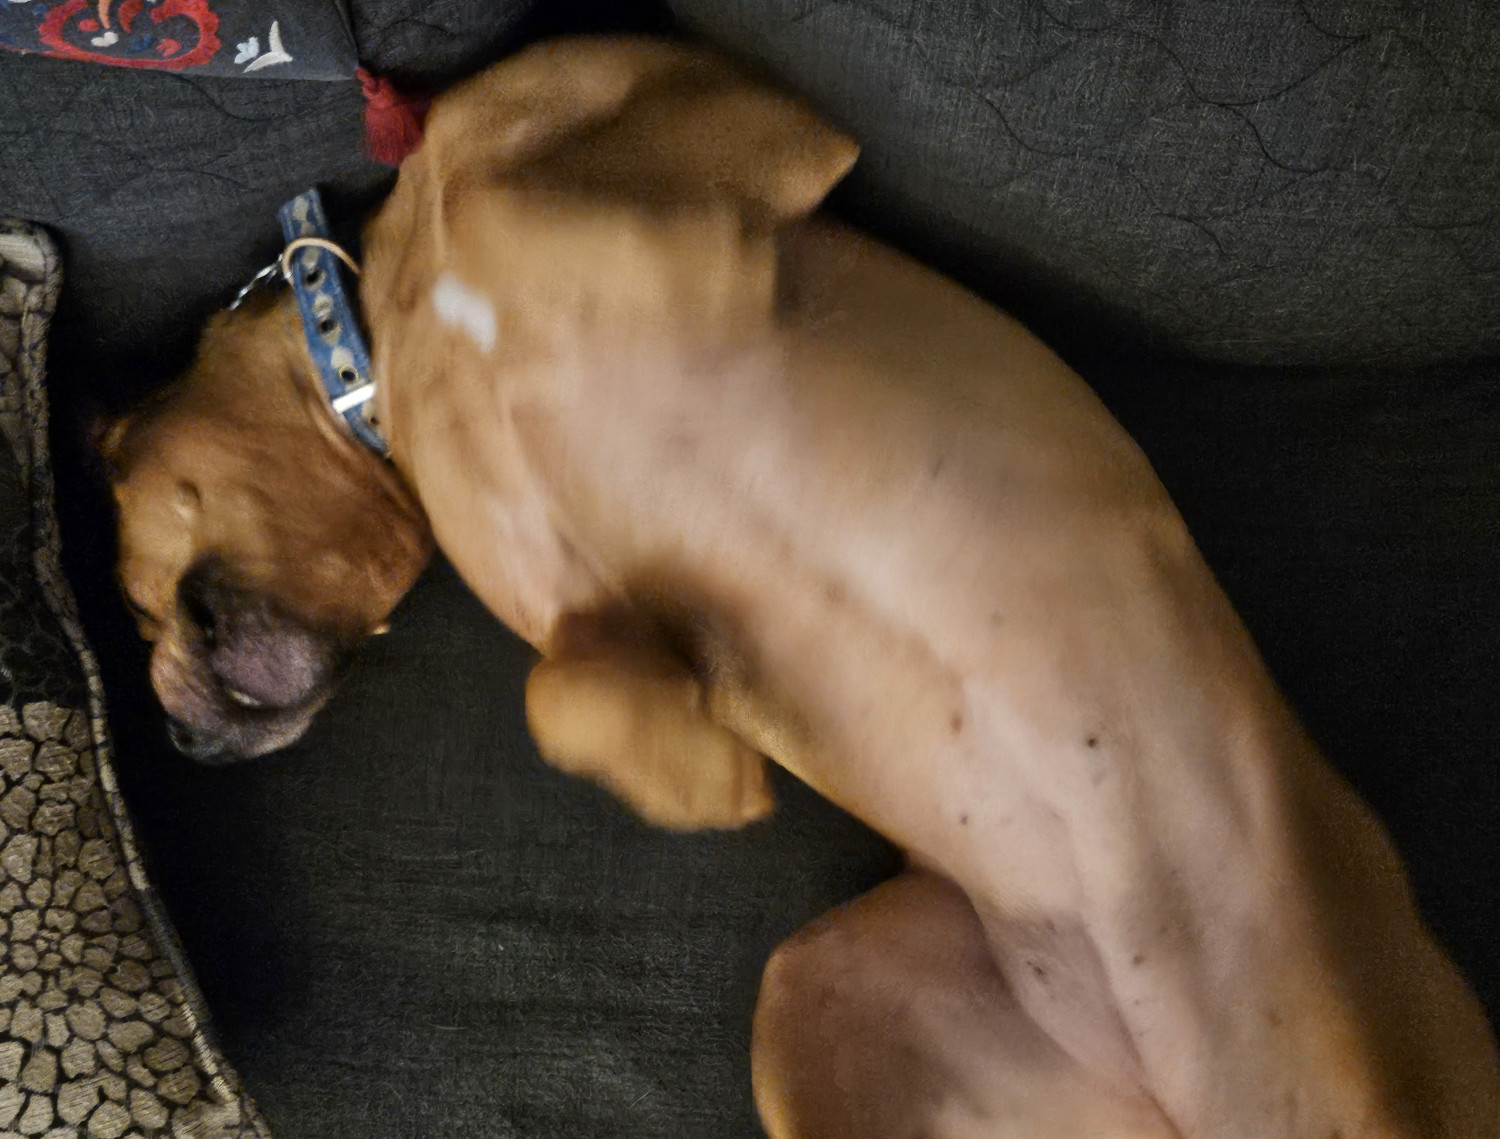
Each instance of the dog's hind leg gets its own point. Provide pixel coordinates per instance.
(887, 1019)
(633, 717)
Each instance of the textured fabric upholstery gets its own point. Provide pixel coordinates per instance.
(101, 1026)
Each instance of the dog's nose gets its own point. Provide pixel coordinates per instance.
(206, 598)
(195, 744)
(261, 657)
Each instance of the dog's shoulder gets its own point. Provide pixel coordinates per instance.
(613, 180)
(642, 115)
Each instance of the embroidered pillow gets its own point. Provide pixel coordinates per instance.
(287, 39)
(102, 1031)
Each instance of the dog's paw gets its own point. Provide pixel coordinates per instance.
(641, 728)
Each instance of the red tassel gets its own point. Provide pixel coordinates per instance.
(393, 120)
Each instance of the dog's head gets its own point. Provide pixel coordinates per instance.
(258, 541)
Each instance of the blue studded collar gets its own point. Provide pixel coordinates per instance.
(310, 264)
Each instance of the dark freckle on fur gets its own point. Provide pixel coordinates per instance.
(681, 446)
(963, 820)
(1092, 741)
(1138, 960)
(1274, 1019)
(835, 593)
(937, 466)
(1037, 971)
(957, 723)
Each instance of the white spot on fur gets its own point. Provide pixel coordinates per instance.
(459, 306)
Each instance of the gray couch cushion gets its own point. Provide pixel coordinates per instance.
(162, 190)
(1275, 182)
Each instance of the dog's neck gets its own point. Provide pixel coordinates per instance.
(275, 321)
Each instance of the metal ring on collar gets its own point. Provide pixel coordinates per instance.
(283, 266)
(255, 282)
(319, 243)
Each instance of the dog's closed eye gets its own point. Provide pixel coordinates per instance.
(139, 611)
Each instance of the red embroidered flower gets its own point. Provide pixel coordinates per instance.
(184, 34)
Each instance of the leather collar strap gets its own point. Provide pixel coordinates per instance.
(332, 333)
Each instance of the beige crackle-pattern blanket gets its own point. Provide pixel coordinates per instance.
(102, 1031)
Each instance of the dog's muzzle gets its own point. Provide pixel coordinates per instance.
(198, 745)
(244, 678)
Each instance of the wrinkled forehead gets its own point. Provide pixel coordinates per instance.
(156, 512)
(192, 495)
(153, 491)
(169, 457)
(163, 469)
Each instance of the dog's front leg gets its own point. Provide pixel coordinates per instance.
(631, 715)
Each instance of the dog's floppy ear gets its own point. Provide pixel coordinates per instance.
(104, 436)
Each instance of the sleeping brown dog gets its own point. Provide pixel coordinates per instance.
(754, 485)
